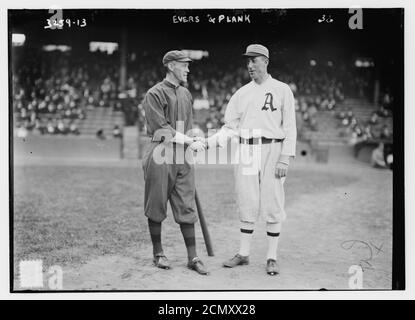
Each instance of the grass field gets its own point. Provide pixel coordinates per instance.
(90, 221)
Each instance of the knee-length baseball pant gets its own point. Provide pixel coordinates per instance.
(173, 182)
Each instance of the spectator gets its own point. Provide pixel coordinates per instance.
(383, 112)
(116, 132)
(312, 110)
(368, 132)
(377, 159)
(21, 132)
(345, 122)
(388, 155)
(331, 105)
(374, 118)
(51, 129)
(353, 122)
(61, 127)
(353, 139)
(73, 128)
(385, 134)
(386, 101)
(341, 115)
(314, 124)
(40, 126)
(100, 134)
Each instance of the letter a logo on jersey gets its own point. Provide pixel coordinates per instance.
(268, 102)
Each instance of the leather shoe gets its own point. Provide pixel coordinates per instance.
(197, 265)
(161, 261)
(237, 260)
(272, 267)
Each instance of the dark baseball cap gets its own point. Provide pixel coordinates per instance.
(254, 50)
(175, 55)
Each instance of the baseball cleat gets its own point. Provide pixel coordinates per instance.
(237, 260)
(272, 267)
(197, 265)
(161, 261)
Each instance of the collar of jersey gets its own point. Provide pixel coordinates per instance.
(269, 78)
(169, 84)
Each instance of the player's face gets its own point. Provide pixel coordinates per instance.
(180, 71)
(257, 67)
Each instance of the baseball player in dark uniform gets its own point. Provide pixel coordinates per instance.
(168, 110)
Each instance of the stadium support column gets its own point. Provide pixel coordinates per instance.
(376, 92)
(376, 89)
(123, 62)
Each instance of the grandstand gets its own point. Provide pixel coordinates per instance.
(89, 92)
(101, 118)
(330, 130)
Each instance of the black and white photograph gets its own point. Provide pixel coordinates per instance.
(191, 149)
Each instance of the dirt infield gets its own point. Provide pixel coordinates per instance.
(89, 220)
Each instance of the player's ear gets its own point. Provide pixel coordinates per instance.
(170, 66)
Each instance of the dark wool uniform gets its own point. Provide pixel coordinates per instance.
(164, 105)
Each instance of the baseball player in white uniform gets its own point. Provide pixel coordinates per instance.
(261, 114)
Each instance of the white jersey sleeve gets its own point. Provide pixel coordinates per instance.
(288, 123)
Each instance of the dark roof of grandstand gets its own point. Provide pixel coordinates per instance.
(382, 30)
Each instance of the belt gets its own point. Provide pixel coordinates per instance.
(257, 140)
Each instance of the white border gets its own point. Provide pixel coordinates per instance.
(409, 293)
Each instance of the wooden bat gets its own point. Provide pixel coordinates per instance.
(203, 224)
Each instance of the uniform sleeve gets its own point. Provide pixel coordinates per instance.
(155, 113)
(191, 109)
(231, 127)
(288, 124)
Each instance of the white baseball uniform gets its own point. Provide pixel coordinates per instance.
(260, 110)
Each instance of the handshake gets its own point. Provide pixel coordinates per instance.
(199, 144)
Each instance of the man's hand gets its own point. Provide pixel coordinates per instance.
(281, 170)
(197, 138)
(197, 146)
(201, 139)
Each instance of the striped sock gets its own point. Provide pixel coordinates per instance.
(273, 233)
(155, 233)
(247, 230)
(188, 232)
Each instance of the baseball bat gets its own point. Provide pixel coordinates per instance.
(203, 224)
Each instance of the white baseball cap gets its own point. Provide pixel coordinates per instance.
(254, 50)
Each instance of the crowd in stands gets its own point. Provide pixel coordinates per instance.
(376, 128)
(359, 130)
(52, 91)
(315, 88)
